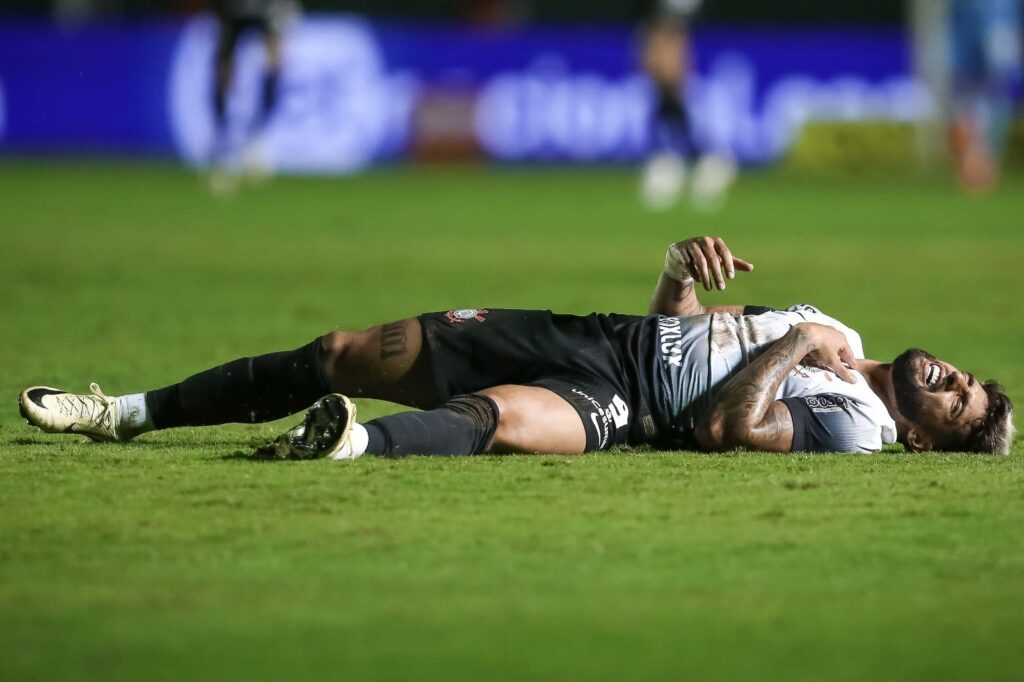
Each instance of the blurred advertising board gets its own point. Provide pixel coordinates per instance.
(354, 92)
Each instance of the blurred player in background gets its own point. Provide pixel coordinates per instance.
(235, 19)
(986, 61)
(667, 61)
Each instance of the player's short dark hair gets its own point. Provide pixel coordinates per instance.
(993, 433)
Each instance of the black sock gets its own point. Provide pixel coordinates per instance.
(268, 100)
(672, 124)
(247, 390)
(220, 106)
(462, 426)
(268, 97)
(220, 125)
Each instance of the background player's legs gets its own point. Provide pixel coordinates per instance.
(254, 154)
(224, 67)
(671, 126)
(271, 80)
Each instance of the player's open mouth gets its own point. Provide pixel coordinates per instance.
(933, 372)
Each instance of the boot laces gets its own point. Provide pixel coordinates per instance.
(97, 408)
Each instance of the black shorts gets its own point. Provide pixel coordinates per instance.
(232, 28)
(578, 358)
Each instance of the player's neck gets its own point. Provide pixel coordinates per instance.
(879, 376)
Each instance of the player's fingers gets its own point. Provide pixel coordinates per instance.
(845, 374)
(687, 260)
(741, 264)
(841, 367)
(700, 266)
(726, 256)
(846, 355)
(714, 260)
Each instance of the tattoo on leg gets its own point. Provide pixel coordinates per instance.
(392, 340)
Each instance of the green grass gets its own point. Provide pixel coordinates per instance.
(172, 558)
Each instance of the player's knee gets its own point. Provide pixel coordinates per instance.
(507, 424)
(273, 45)
(482, 415)
(502, 413)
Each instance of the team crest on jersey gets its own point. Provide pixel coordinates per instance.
(466, 314)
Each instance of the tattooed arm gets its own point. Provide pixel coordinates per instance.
(679, 299)
(701, 259)
(745, 412)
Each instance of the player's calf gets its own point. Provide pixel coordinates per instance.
(465, 425)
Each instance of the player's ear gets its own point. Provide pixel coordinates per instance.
(917, 441)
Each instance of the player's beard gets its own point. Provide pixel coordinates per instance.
(905, 383)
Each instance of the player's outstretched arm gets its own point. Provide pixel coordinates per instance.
(704, 260)
(745, 412)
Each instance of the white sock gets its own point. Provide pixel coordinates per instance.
(134, 415)
(358, 439)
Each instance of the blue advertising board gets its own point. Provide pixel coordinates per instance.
(353, 92)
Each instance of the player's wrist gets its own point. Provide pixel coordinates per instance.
(806, 336)
(675, 266)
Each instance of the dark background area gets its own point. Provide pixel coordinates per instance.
(540, 11)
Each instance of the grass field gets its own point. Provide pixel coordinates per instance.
(172, 558)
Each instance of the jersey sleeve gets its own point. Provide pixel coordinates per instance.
(829, 422)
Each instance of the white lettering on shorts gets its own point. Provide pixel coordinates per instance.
(619, 411)
(670, 337)
(616, 413)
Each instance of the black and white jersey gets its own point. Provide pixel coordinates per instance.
(695, 355)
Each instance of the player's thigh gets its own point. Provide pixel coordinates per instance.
(272, 44)
(535, 420)
(228, 33)
(385, 362)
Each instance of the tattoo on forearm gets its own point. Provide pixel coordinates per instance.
(683, 290)
(392, 340)
(676, 298)
(747, 401)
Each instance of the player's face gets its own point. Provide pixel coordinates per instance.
(940, 401)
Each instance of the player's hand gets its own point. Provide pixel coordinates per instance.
(829, 350)
(709, 261)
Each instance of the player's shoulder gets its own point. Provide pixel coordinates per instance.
(804, 310)
(809, 313)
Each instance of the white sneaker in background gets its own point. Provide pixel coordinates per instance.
(712, 176)
(222, 180)
(662, 181)
(256, 162)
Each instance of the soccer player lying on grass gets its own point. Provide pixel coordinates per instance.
(684, 377)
